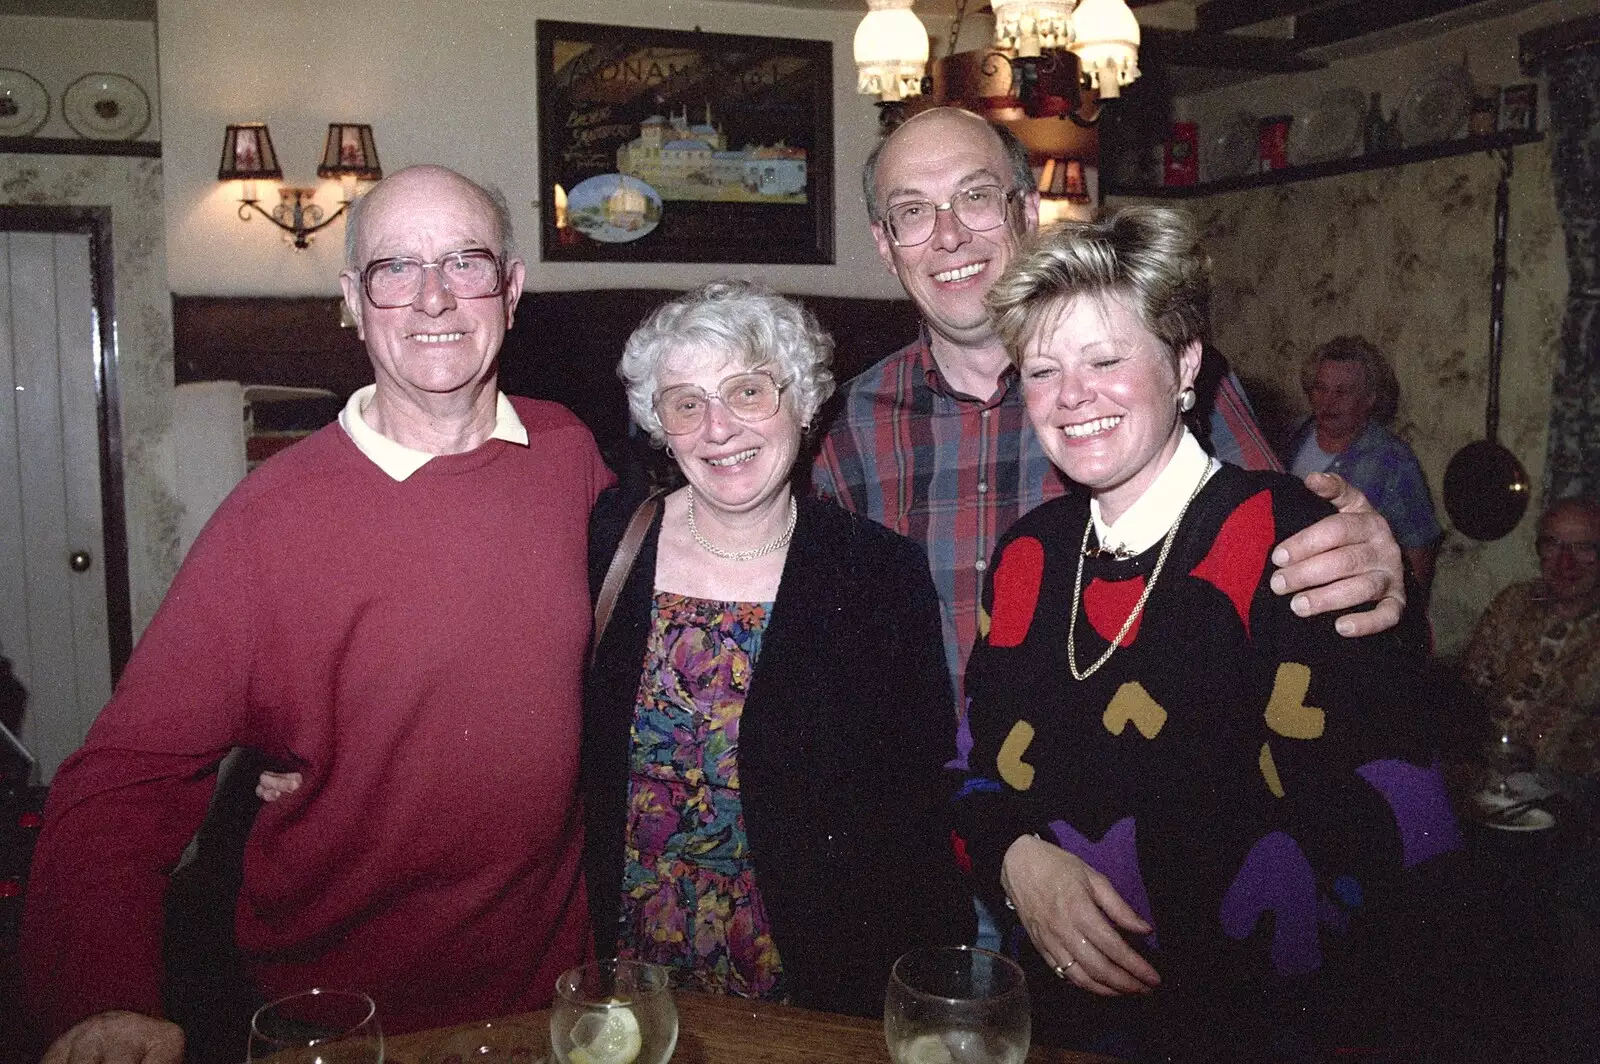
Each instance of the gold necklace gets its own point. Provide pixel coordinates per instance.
(741, 555)
(1138, 607)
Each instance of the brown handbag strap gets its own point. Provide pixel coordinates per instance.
(621, 566)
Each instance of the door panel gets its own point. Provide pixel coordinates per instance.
(48, 420)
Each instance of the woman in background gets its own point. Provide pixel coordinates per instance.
(1198, 803)
(769, 710)
(1354, 396)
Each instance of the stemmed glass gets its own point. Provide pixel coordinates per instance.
(317, 1027)
(1506, 756)
(956, 1005)
(614, 1012)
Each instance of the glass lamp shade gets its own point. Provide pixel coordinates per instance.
(1106, 42)
(247, 154)
(350, 151)
(1028, 26)
(891, 51)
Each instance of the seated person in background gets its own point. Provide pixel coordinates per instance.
(1354, 395)
(1198, 803)
(765, 804)
(395, 606)
(1534, 657)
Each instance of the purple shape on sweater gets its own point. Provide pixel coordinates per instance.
(1276, 877)
(1421, 807)
(1115, 856)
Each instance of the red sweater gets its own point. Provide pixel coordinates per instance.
(415, 648)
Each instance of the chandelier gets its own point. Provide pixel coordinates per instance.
(891, 45)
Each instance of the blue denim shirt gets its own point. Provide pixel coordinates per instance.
(1386, 470)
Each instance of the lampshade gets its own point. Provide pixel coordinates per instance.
(350, 151)
(1026, 26)
(247, 154)
(891, 49)
(1106, 42)
(1064, 178)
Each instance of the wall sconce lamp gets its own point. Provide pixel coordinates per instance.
(349, 154)
(1063, 190)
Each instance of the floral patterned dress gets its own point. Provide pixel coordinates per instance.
(689, 894)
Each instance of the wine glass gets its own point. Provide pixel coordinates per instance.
(317, 1027)
(956, 1005)
(614, 1012)
(1506, 755)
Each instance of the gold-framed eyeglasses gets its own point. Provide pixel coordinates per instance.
(750, 397)
(472, 273)
(979, 208)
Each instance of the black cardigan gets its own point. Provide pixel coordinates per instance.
(844, 733)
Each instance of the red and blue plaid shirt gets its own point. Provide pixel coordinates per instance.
(953, 472)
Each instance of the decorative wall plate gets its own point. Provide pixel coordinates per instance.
(24, 104)
(105, 107)
(1330, 130)
(1436, 107)
(1232, 151)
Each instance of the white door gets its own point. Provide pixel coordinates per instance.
(53, 623)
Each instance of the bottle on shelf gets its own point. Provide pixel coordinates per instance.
(1374, 130)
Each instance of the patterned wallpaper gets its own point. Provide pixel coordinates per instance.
(1403, 256)
(132, 188)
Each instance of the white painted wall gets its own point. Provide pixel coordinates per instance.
(58, 51)
(448, 83)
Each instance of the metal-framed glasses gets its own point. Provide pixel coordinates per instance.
(979, 208)
(470, 274)
(750, 397)
(1584, 550)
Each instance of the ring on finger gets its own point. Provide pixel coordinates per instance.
(1061, 970)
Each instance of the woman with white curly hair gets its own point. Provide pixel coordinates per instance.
(768, 712)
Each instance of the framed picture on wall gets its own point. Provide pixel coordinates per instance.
(677, 146)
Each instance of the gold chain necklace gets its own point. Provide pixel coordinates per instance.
(741, 555)
(1138, 607)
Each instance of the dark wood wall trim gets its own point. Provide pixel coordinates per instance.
(564, 345)
(1535, 46)
(150, 149)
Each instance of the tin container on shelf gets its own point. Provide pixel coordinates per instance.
(1273, 142)
(1181, 165)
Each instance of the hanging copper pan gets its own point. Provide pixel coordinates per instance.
(1485, 487)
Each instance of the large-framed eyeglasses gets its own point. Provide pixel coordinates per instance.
(979, 208)
(750, 397)
(469, 274)
(1584, 550)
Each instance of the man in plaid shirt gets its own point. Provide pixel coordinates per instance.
(934, 442)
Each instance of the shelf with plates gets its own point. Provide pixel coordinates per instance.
(78, 146)
(1328, 168)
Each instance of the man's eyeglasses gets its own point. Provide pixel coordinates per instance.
(749, 397)
(979, 208)
(1586, 550)
(470, 274)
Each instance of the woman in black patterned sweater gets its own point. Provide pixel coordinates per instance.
(1197, 802)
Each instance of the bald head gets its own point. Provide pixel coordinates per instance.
(433, 180)
(934, 123)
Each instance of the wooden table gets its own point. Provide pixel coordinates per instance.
(711, 1030)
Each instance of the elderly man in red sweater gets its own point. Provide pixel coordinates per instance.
(396, 608)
